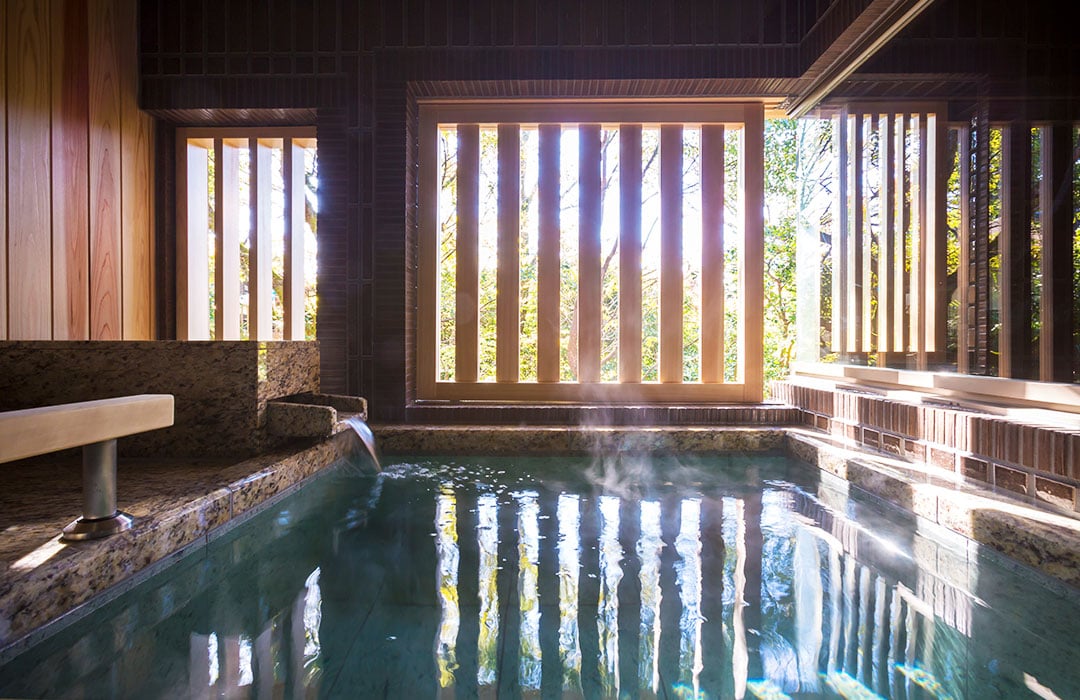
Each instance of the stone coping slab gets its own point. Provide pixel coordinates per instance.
(42, 578)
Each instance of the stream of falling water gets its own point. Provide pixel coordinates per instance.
(363, 431)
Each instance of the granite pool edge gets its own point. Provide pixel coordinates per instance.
(501, 439)
(41, 596)
(1028, 534)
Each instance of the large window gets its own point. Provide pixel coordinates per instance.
(605, 251)
(246, 224)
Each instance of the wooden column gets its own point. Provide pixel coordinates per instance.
(918, 312)
(630, 253)
(963, 274)
(752, 273)
(260, 280)
(671, 277)
(589, 283)
(226, 241)
(467, 309)
(886, 310)
(858, 301)
(292, 165)
(712, 254)
(547, 274)
(1015, 359)
(840, 289)
(1056, 354)
(935, 322)
(508, 291)
(981, 364)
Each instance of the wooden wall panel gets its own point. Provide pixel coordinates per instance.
(76, 175)
(136, 131)
(29, 206)
(70, 166)
(3, 175)
(105, 173)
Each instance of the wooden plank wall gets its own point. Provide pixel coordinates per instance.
(76, 175)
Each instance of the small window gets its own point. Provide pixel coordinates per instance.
(246, 233)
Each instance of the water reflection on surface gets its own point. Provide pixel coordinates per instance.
(435, 580)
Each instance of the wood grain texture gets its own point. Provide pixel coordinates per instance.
(547, 282)
(136, 130)
(70, 170)
(28, 104)
(589, 213)
(507, 330)
(752, 272)
(3, 177)
(712, 254)
(260, 282)
(671, 254)
(467, 302)
(630, 253)
(227, 241)
(963, 273)
(292, 164)
(106, 288)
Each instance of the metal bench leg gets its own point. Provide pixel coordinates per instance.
(100, 515)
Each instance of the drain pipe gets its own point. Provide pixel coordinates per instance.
(101, 517)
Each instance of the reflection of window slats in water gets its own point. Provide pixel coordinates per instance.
(855, 627)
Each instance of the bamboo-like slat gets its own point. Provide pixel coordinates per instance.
(589, 282)
(508, 294)
(226, 241)
(859, 302)
(752, 273)
(840, 238)
(917, 279)
(900, 227)
(712, 254)
(260, 280)
(630, 253)
(292, 165)
(963, 274)
(70, 167)
(547, 282)
(671, 262)
(1015, 350)
(29, 214)
(936, 300)
(887, 245)
(467, 304)
(1057, 357)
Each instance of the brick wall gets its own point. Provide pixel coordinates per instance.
(352, 63)
(1038, 460)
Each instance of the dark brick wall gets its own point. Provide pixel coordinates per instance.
(356, 63)
(353, 63)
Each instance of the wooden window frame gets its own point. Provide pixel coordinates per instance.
(192, 282)
(541, 113)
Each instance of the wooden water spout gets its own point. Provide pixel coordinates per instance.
(94, 426)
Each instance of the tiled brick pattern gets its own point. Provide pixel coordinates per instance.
(352, 65)
(1036, 460)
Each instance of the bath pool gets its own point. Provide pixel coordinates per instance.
(699, 576)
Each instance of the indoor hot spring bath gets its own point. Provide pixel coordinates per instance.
(638, 575)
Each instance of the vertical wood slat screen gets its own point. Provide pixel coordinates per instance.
(194, 146)
(460, 125)
(890, 276)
